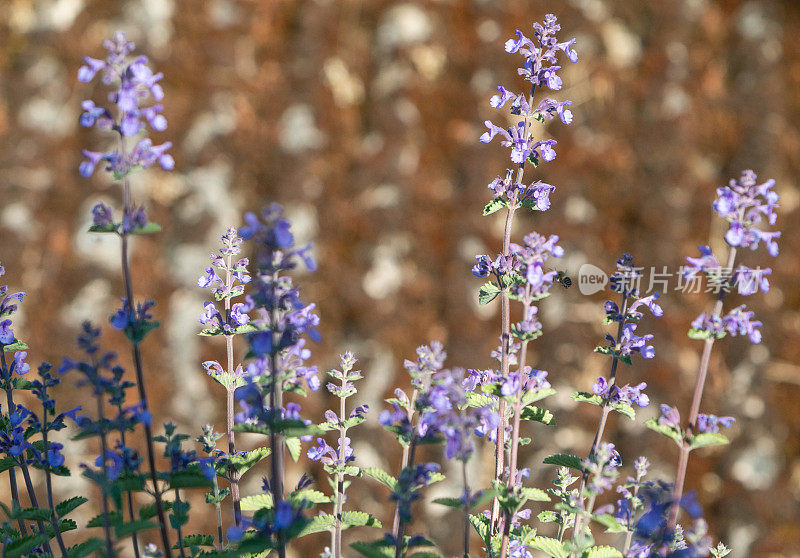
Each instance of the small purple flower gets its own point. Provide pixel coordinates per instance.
(745, 204)
(669, 416)
(6, 333)
(712, 423)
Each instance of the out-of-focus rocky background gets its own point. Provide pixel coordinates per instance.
(362, 117)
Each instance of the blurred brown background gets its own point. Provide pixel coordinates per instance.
(362, 117)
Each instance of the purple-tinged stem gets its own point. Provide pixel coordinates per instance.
(467, 498)
(103, 459)
(134, 537)
(137, 362)
(22, 465)
(337, 530)
(683, 459)
(233, 475)
(276, 440)
(401, 531)
(178, 527)
(606, 410)
(12, 477)
(54, 519)
(218, 506)
(404, 462)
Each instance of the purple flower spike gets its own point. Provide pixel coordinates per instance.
(746, 205)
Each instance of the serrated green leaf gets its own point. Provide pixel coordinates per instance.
(610, 523)
(318, 524)
(373, 549)
(664, 430)
(150, 510)
(359, 519)
(537, 395)
(189, 478)
(31, 514)
(257, 502)
(705, 439)
(625, 410)
(382, 477)
(17, 345)
(548, 516)
(23, 546)
(488, 292)
(583, 397)
(495, 205)
(109, 228)
(450, 502)
(149, 228)
(475, 399)
(242, 463)
(534, 494)
(565, 460)
(537, 414)
(114, 518)
(294, 447)
(310, 496)
(196, 540)
(85, 548)
(601, 552)
(551, 547)
(65, 507)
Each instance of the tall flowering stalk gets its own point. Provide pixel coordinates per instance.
(338, 461)
(226, 279)
(281, 322)
(134, 83)
(747, 206)
(540, 68)
(621, 348)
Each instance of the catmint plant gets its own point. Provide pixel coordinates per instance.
(281, 322)
(519, 272)
(132, 84)
(226, 279)
(338, 461)
(606, 393)
(747, 206)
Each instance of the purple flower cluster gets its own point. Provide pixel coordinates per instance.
(8, 306)
(746, 279)
(738, 321)
(602, 468)
(135, 83)
(540, 69)
(746, 205)
(628, 395)
(705, 422)
(447, 413)
(633, 313)
(535, 196)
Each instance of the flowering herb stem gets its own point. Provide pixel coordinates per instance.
(234, 476)
(22, 465)
(337, 532)
(404, 460)
(134, 537)
(218, 507)
(54, 519)
(104, 484)
(683, 458)
(606, 410)
(401, 529)
(467, 498)
(178, 528)
(276, 407)
(137, 363)
(12, 477)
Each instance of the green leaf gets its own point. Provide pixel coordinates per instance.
(705, 439)
(665, 430)
(294, 447)
(475, 399)
(551, 547)
(565, 460)
(455, 503)
(548, 516)
(359, 519)
(23, 546)
(150, 510)
(488, 292)
(109, 228)
(425, 554)
(530, 203)
(149, 228)
(610, 523)
(98, 521)
(624, 409)
(537, 414)
(31, 514)
(583, 397)
(85, 548)
(535, 494)
(196, 540)
(495, 205)
(318, 524)
(310, 496)
(65, 507)
(189, 478)
(538, 395)
(696, 333)
(382, 477)
(377, 549)
(5, 464)
(242, 463)
(601, 552)
(257, 502)
(17, 345)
